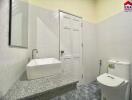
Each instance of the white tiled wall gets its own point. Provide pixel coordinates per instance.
(12, 60)
(115, 37)
(44, 24)
(48, 34)
(90, 62)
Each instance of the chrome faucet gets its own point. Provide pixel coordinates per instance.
(34, 50)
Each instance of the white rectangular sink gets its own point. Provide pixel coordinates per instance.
(38, 68)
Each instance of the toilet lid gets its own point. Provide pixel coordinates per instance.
(110, 80)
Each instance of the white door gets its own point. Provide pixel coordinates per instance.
(71, 45)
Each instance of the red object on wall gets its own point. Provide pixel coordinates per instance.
(128, 3)
(128, 6)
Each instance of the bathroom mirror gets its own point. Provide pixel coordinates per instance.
(18, 24)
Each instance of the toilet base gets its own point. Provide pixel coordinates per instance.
(119, 93)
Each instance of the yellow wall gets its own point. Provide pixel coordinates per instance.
(83, 8)
(108, 8)
(90, 10)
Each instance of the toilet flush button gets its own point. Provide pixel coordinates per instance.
(111, 77)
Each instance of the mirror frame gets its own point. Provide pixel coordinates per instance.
(10, 28)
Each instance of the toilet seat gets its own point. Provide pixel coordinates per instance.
(110, 80)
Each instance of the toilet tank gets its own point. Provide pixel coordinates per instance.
(119, 68)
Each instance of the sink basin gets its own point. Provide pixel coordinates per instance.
(38, 68)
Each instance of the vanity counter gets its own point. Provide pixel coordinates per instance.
(27, 88)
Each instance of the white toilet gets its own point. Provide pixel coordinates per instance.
(115, 83)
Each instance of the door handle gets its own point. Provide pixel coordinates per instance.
(62, 52)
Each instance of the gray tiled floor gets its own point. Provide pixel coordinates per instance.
(84, 92)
